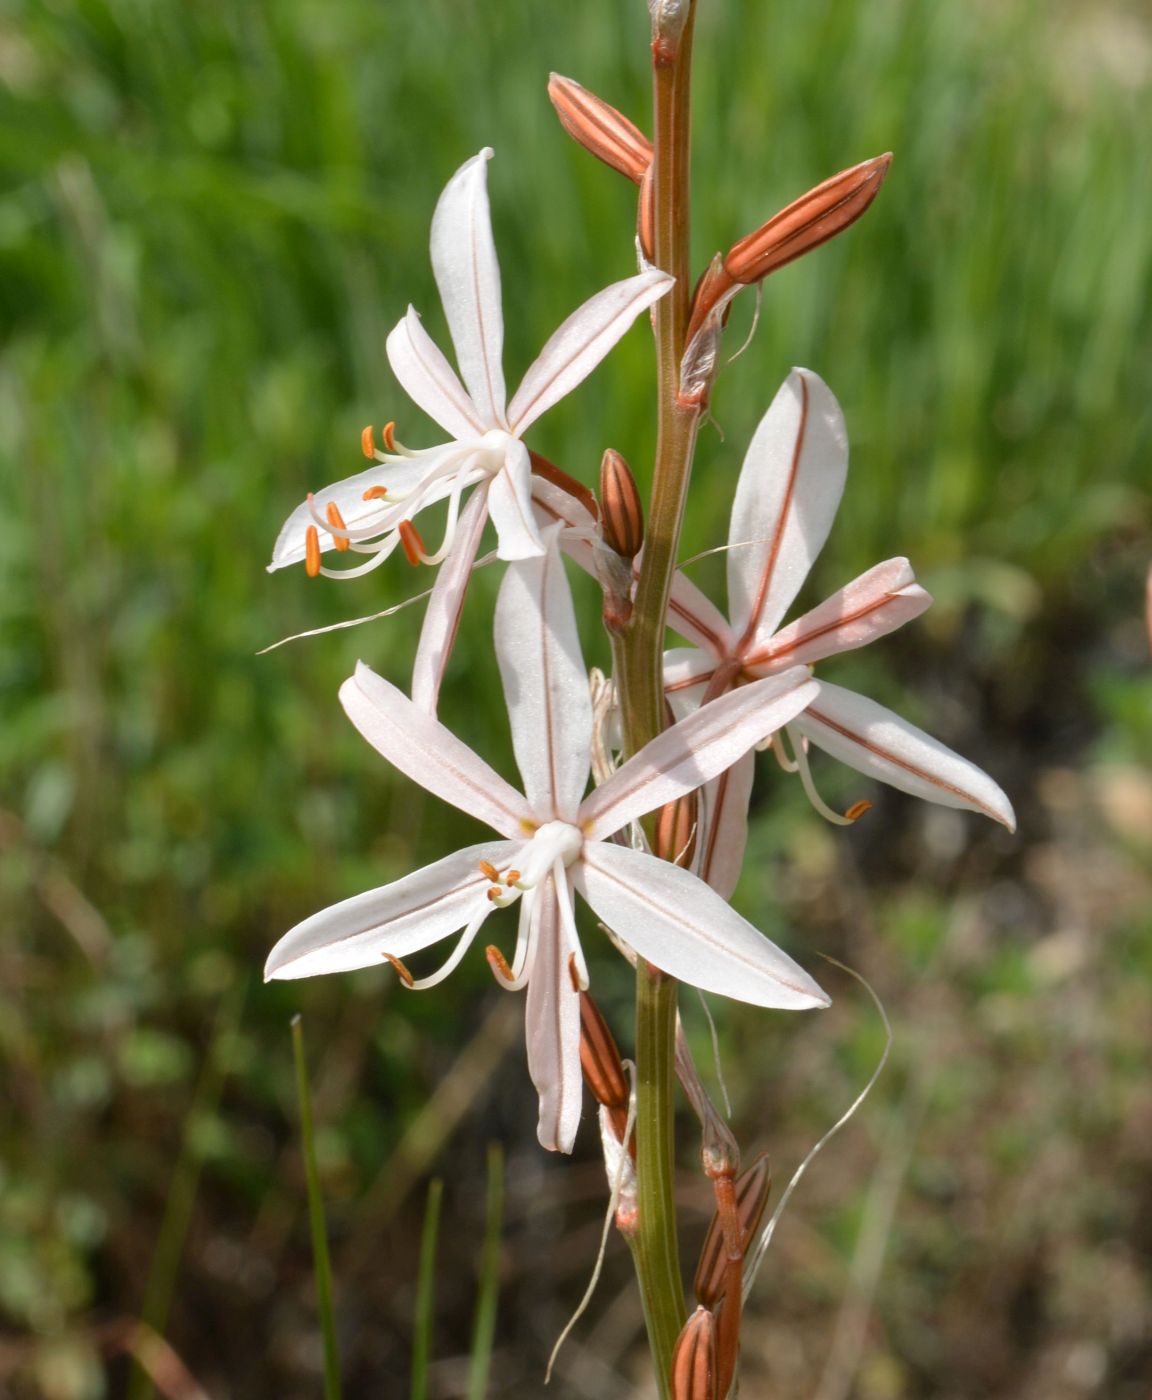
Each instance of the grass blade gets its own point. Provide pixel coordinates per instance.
(484, 1321)
(425, 1291)
(320, 1259)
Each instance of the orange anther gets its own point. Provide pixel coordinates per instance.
(375, 493)
(401, 971)
(336, 520)
(573, 974)
(368, 443)
(413, 544)
(311, 551)
(388, 433)
(511, 877)
(495, 892)
(498, 963)
(857, 809)
(487, 868)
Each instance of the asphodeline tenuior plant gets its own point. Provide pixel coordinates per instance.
(634, 790)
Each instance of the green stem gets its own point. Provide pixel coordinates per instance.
(639, 672)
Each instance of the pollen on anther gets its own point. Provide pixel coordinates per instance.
(413, 544)
(312, 551)
(401, 971)
(367, 442)
(857, 809)
(388, 433)
(511, 877)
(375, 493)
(498, 963)
(336, 520)
(487, 868)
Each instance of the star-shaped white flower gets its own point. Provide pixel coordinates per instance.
(786, 499)
(372, 512)
(555, 840)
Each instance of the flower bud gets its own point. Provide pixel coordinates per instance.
(752, 1192)
(621, 511)
(694, 1359)
(600, 1059)
(675, 835)
(600, 128)
(807, 222)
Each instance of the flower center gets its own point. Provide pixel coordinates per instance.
(492, 450)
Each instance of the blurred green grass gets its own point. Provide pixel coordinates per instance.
(210, 216)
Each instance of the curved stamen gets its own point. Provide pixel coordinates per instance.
(465, 941)
(379, 552)
(775, 742)
(853, 814)
(341, 534)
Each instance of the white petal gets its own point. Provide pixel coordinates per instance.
(431, 755)
(697, 619)
(723, 833)
(695, 749)
(685, 929)
(545, 683)
(510, 505)
(687, 671)
(429, 380)
(552, 1023)
(468, 275)
(789, 489)
(400, 918)
(876, 603)
(578, 346)
(876, 741)
(442, 618)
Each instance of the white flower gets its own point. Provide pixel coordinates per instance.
(372, 512)
(555, 840)
(787, 496)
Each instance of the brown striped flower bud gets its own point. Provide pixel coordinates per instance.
(694, 1359)
(600, 1059)
(675, 835)
(752, 1192)
(600, 128)
(621, 511)
(807, 222)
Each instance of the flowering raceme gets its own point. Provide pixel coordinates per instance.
(372, 512)
(556, 841)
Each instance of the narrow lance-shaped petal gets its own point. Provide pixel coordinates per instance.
(430, 754)
(552, 1020)
(442, 617)
(468, 276)
(875, 741)
(786, 499)
(684, 928)
(429, 380)
(394, 920)
(545, 684)
(694, 750)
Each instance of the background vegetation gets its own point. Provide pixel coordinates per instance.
(210, 216)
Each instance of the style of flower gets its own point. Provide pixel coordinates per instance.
(788, 493)
(554, 841)
(372, 512)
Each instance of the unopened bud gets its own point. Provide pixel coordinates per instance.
(621, 511)
(675, 835)
(600, 1059)
(600, 128)
(694, 1359)
(808, 221)
(752, 1192)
